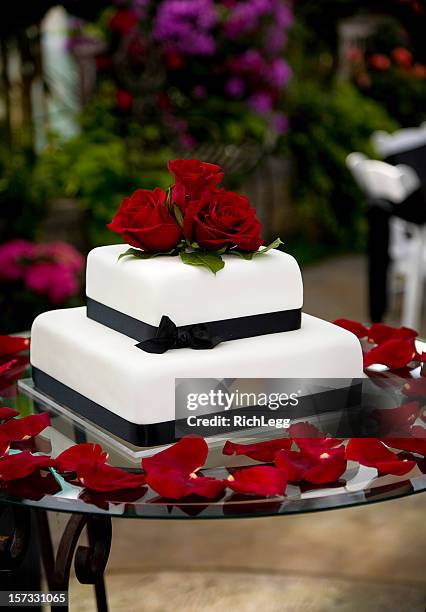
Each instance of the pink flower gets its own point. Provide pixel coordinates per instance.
(260, 103)
(12, 256)
(62, 252)
(54, 280)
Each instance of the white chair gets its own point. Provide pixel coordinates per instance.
(382, 181)
(402, 140)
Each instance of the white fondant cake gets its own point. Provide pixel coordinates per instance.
(148, 289)
(105, 366)
(104, 375)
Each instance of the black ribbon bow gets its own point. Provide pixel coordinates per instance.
(169, 336)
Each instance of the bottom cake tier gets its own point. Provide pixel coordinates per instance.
(103, 376)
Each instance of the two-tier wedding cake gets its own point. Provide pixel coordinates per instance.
(234, 312)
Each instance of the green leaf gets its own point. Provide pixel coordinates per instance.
(211, 260)
(274, 245)
(178, 214)
(243, 254)
(143, 254)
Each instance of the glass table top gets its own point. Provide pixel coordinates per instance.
(358, 485)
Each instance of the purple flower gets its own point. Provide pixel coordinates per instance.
(280, 123)
(234, 87)
(12, 257)
(200, 92)
(260, 102)
(186, 26)
(63, 253)
(245, 17)
(279, 73)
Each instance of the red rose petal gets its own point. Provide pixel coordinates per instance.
(27, 427)
(379, 333)
(261, 451)
(71, 458)
(187, 456)
(22, 464)
(394, 354)
(316, 468)
(5, 367)
(4, 444)
(356, 328)
(397, 419)
(11, 345)
(415, 387)
(310, 439)
(373, 453)
(102, 477)
(7, 413)
(175, 484)
(263, 480)
(416, 444)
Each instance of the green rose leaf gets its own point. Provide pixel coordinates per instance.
(244, 254)
(143, 254)
(274, 245)
(178, 214)
(211, 260)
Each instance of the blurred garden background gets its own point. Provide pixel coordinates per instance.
(96, 96)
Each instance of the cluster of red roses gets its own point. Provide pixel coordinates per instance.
(193, 216)
(175, 473)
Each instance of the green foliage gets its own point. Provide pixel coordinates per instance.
(99, 170)
(20, 208)
(327, 125)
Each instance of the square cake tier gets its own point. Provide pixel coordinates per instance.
(127, 386)
(147, 289)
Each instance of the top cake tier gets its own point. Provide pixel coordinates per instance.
(147, 289)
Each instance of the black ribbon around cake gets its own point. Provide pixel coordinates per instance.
(198, 336)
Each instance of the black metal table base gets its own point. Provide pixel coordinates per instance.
(89, 560)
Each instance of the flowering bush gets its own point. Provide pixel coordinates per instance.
(36, 276)
(201, 69)
(390, 72)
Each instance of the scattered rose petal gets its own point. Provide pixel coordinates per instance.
(176, 484)
(316, 468)
(261, 451)
(396, 419)
(415, 387)
(394, 354)
(23, 464)
(11, 345)
(7, 413)
(5, 367)
(379, 333)
(102, 477)
(187, 456)
(414, 444)
(71, 458)
(356, 328)
(34, 487)
(25, 428)
(310, 439)
(262, 480)
(4, 444)
(373, 453)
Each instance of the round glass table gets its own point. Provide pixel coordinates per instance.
(30, 500)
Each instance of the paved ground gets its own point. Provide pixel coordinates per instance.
(369, 558)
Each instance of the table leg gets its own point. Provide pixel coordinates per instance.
(89, 561)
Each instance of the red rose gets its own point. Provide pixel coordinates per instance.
(380, 62)
(123, 22)
(192, 178)
(222, 219)
(144, 221)
(402, 56)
